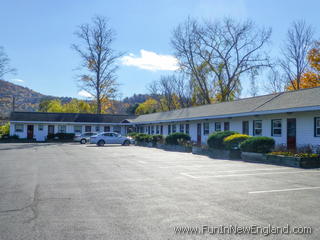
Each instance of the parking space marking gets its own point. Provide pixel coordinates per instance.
(246, 174)
(284, 190)
(244, 170)
(143, 162)
(184, 166)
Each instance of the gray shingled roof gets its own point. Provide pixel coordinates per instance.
(68, 117)
(285, 100)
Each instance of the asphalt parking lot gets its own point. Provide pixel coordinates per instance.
(73, 191)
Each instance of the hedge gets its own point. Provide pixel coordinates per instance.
(215, 140)
(233, 141)
(172, 139)
(257, 145)
(132, 134)
(142, 137)
(157, 138)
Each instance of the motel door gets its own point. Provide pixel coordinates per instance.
(50, 129)
(199, 133)
(291, 133)
(30, 131)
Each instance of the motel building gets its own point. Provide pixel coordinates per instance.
(291, 118)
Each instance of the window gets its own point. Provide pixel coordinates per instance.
(152, 129)
(217, 126)
(18, 127)
(161, 129)
(169, 129)
(117, 129)
(317, 127)
(40, 127)
(97, 128)
(149, 130)
(187, 128)
(157, 129)
(226, 126)
(181, 128)
(87, 128)
(257, 127)
(205, 128)
(276, 127)
(106, 129)
(174, 128)
(62, 128)
(77, 129)
(245, 127)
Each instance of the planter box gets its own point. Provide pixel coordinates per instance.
(250, 156)
(176, 148)
(302, 162)
(217, 153)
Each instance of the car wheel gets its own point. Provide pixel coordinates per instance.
(100, 143)
(83, 141)
(126, 143)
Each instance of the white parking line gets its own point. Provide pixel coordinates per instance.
(183, 166)
(143, 162)
(245, 170)
(284, 190)
(246, 174)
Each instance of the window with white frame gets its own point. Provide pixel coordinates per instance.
(205, 128)
(87, 128)
(97, 127)
(174, 128)
(257, 127)
(62, 128)
(169, 129)
(77, 129)
(181, 128)
(18, 127)
(152, 129)
(117, 129)
(157, 129)
(187, 128)
(40, 127)
(217, 126)
(276, 128)
(317, 127)
(106, 128)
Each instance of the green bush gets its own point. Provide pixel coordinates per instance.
(291, 154)
(173, 139)
(257, 145)
(142, 137)
(157, 138)
(132, 134)
(5, 129)
(215, 140)
(64, 136)
(233, 141)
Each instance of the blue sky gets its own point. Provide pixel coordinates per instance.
(37, 35)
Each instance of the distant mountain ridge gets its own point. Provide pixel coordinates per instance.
(25, 99)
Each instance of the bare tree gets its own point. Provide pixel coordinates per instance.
(186, 41)
(4, 64)
(99, 59)
(294, 53)
(275, 83)
(222, 51)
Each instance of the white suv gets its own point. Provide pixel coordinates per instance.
(110, 138)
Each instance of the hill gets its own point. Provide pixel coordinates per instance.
(25, 99)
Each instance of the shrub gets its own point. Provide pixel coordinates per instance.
(157, 138)
(215, 140)
(291, 154)
(64, 136)
(5, 129)
(257, 145)
(132, 134)
(173, 139)
(15, 136)
(233, 141)
(142, 137)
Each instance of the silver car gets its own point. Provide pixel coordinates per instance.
(110, 138)
(84, 137)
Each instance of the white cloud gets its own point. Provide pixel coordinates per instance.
(151, 61)
(84, 93)
(17, 80)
